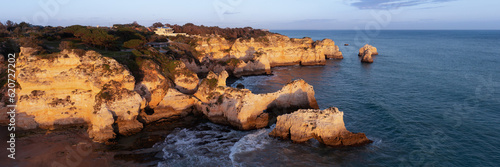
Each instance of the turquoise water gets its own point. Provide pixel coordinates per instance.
(431, 98)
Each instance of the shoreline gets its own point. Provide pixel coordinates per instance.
(71, 146)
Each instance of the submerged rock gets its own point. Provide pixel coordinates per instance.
(366, 53)
(326, 126)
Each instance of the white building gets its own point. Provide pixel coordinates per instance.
(167, 31)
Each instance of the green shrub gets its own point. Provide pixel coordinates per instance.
(212, 83)
(134, 44)
(233, 62)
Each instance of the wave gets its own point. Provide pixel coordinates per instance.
(207, 144)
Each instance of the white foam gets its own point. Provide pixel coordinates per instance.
(207, 144)
(250, 143)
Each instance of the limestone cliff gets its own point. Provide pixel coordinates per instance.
(83, 87)
(326, 126)
(153, 86)
(185, 80)
(173, 105)
(258, 55)
(245, 110)
(4, 119)
(75, 87)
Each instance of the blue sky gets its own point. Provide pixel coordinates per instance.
(267, 14)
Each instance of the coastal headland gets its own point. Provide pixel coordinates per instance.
(114, 91)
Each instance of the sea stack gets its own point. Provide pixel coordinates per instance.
(326, 126)
(366, 53)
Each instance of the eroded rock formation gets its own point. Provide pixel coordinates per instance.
(245, 110)
(185, 80)
(258, 55)
(153, 85)
(76, 87)
(326, 126)
(366, 52)
(83, 87)
(173, 105)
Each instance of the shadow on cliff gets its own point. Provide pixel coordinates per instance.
(130, 61)
(249, 54)
(288, 103)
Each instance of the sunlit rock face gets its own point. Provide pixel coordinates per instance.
(242, 109)
(366, 52)
(326, 126)
(76, 87)
(258, 55)
(83, 87)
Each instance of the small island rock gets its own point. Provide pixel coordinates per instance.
(326, 126)
(366, 53)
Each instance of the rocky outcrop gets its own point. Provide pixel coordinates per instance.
(258, 55)
(124, 104)
(330, 49)
(367, 47)
(153, 86)
(326, 126)
(185, 80)
(173, 105)
(367, 57)
(242, 109)
(77, 87)
(366, 53)
(4, 117)
(257, 66)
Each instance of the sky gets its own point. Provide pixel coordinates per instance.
(264, 14)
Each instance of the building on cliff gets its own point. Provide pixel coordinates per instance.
(167, 31)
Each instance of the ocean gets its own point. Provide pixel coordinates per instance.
(431, 98)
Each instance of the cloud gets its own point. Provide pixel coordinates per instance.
(390, 4)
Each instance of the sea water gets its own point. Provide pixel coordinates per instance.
(431, 98)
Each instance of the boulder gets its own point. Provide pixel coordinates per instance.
(326, 126)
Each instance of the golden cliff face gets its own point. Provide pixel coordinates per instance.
(280, 50)
(73, 87)
(153, 85)
(245, 110)
(326, 126)
(83, 87)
